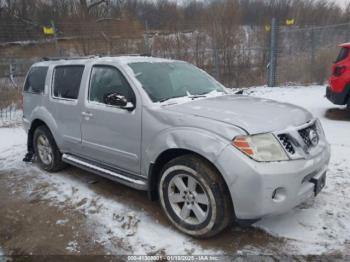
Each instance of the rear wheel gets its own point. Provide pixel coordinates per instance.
(48, 155)
(194, 196)
(348, 107)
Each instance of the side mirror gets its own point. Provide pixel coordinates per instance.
(116, 99)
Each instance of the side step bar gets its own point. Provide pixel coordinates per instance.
(102, 171)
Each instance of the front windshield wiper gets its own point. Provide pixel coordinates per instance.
(196, 96)
(189, 96)
(168, 98)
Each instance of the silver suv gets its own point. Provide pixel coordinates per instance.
(167, 127)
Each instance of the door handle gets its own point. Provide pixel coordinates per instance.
(87, 114)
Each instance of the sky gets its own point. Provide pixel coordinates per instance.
(343, 2)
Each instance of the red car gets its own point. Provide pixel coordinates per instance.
(338, 91)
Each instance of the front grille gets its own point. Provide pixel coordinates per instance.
(305, 135)
(285, 140)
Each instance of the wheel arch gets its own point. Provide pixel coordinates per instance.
(34, 125)
(167, 155)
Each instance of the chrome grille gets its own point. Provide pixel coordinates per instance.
(305, 135)
(287, 144)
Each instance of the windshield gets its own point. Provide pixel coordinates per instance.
(166, 80)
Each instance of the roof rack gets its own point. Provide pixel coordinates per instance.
(89, 57)
(68, 58)
(126, 54)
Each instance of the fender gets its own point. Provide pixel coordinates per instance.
(196, 140)
(42, 114)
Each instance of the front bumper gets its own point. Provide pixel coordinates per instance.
(252, 184)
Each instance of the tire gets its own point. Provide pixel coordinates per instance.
(348, 107)
(200, 205)
(46, 150)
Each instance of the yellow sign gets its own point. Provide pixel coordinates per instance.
(290, 21)
(48, 30)
(267, 28)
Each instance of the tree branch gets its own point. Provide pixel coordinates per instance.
(92, 5)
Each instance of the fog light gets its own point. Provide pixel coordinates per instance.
(279, 194)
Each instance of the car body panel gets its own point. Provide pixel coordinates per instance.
(255, 115)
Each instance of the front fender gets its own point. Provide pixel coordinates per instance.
(205, 143)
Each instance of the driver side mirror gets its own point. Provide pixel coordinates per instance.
(119, 100)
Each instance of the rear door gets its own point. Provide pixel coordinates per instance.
(65, 88)
(110, 134)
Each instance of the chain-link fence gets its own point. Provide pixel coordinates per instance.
(305, 55)
(293, 55)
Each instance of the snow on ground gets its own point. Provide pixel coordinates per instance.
(108, 218)
(319, 226)
(10, 116)
(323, 223)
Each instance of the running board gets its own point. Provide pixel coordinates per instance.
(113, 175)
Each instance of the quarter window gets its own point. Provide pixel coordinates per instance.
(35, 82)
(106, 80)
(66, 82)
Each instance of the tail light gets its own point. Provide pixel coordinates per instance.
(339, 70)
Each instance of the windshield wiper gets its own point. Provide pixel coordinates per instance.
(196, 96)
(168, 98)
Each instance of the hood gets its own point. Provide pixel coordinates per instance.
(254, 115)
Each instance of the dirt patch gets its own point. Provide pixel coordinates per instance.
(338, 114)
(31, 226)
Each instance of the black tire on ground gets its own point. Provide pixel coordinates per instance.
(42, 133)
(178, 197)
(348, 107)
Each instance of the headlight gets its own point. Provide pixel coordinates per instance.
(262, 148)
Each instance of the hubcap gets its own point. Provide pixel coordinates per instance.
(44, 150)
(188, 199)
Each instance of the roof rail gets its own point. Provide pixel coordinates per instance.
(68, 58)
(126, 54)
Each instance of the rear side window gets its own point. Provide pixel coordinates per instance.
(342, 55)
(66, 81)
(35, 82)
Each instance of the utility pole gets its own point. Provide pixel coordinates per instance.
(273, 54)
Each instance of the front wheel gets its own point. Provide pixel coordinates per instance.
(194, 196)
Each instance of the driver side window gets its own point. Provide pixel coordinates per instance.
(106, 80)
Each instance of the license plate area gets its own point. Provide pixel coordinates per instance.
(319, 183)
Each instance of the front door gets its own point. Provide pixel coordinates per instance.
(111, 135)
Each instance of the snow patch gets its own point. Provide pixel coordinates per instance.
(73, 247)
(62, 221)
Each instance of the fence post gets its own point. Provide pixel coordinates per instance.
(273, 54)
(146, 41)
(55, 37)
(216, 61)
(313, 47)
